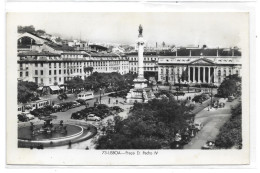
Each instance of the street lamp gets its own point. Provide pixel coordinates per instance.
(100, 95)
(179, 86)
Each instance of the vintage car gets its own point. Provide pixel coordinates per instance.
(92, 117)
(198, 126)
(209, 145)
(179, 94)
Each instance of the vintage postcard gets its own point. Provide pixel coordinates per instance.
(128, 88)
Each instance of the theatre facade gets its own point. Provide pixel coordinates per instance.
(197, 66)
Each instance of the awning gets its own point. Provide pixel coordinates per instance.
(54, 88)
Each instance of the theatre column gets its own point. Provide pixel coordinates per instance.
(204, 81)
(188, 74)
(193, 79)
(208, 74)
(199, 74)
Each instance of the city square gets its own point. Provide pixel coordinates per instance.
(77, 94)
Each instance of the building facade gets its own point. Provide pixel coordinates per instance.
(200, 66)
(46, 63)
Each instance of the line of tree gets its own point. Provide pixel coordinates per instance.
(108, 81)
(230, 134)
(151, 125)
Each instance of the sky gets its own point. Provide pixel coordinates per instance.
(180, 29)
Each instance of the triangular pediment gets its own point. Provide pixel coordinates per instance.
(202, 61)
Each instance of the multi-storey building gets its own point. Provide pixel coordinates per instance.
(199, 65)
(150, 62)
(45, 63)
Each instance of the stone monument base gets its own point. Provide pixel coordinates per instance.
(139, 95)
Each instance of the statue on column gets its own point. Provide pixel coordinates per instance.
(140, 31)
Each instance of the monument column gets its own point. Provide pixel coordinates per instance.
(140, 59)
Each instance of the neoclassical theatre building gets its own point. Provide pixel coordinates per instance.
(199, 65)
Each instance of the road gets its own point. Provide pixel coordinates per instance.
(212, 120)
(90, 144)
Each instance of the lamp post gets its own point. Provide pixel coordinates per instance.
(100, 95)
(179, 86)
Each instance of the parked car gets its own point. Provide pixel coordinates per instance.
(221, 105)
(209, 145)
(117, 109)
(75, 104)
(77, 116)
(179, 94)
(198, 126)
(62, 96)
(27, 116)
(81, 101)
(92, 117)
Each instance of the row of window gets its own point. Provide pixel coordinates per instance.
(145, 59)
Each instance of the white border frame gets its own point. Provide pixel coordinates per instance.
(140, 7)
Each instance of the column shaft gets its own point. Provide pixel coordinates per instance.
(204, 73)
(193, 79)
(209, 75)
(198, 74)
(188, 74)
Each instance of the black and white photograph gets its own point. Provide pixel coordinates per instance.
(129, 83)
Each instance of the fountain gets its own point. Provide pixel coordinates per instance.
(50, 134)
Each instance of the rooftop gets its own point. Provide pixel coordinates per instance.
(35, 53)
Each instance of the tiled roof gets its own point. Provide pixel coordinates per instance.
(35, 53)
(61, 47)
(193, 52)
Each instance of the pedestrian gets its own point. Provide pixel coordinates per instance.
(109, 101)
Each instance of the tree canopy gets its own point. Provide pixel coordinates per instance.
(26, 91)
(23, 29)
(151, 125)
(230, 134)
(230, 86)
(110, 81)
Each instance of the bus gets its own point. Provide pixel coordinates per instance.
(40, 104)
(85, 95)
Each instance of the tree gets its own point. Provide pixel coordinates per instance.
(58, 39)
(150, 125)
(23, 29)
(26, 91)
(230, 86)
(40, 32)
(75, 83)
(88, 69)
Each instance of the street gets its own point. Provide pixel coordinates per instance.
(212, 120)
